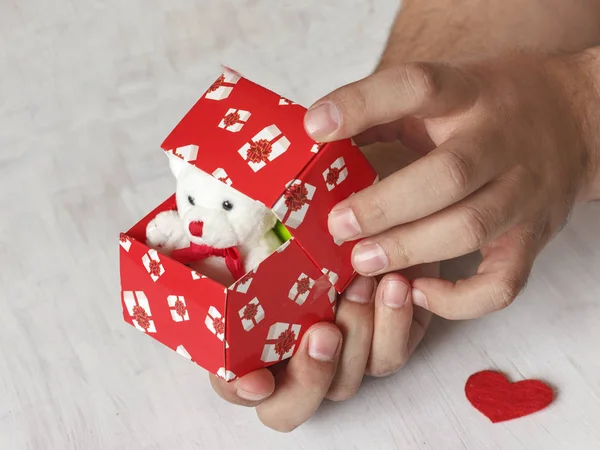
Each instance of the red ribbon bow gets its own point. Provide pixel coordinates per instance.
(196, 252)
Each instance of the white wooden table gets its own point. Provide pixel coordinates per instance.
(88, 90)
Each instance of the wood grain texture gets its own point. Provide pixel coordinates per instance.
(88, 91)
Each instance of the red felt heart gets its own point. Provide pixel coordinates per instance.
(499, 400)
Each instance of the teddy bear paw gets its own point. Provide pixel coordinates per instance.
(166, 232)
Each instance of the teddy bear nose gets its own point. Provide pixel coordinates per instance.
(196, 228)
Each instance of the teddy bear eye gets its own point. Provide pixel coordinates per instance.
(191, 200)
(227, 206)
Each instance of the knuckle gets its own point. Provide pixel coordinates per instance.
(279, 424)
(399, 253)
(537, 232)
(422, 81)
(385, 367)
(458, 171)
(342, 392)
(529, 236)
(506, 292)
(477, 227)
(351, 101)
(360, 103)
(375, 211)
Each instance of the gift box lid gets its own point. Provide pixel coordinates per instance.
(245, 135)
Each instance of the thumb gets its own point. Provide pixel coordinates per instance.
(501, 276)
(302, 386)
(416, 89)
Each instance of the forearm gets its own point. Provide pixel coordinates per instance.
(449, 29)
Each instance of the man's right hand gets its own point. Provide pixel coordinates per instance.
(513, 149)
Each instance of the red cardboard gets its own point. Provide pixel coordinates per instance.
(254, 140)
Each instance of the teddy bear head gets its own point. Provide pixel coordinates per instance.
(214, 213)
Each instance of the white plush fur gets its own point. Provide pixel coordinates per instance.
(247, 226)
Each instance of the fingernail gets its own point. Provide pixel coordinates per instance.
(323, 344)
(394, 294)
(322, 120)
(369, 258)
(419, 298)
(360, 290)
(343, 224)
(250, 396)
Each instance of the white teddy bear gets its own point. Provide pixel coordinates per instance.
(218, 231)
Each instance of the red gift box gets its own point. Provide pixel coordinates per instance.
(253, 140)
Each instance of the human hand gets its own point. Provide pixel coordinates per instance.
(376, 340)
(369, 337)
(508, 151)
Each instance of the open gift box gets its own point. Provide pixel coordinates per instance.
(253, 140)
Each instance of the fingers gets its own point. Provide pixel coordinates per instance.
(249, 390)
(502, 275)
(379, 335)
(452, 232)
(416, 89)
(303, 385)
(354, 318)
(443, 177)
(421, 317)
(393, 321)
(397, 333)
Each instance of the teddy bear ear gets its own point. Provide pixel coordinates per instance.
(176, 164)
